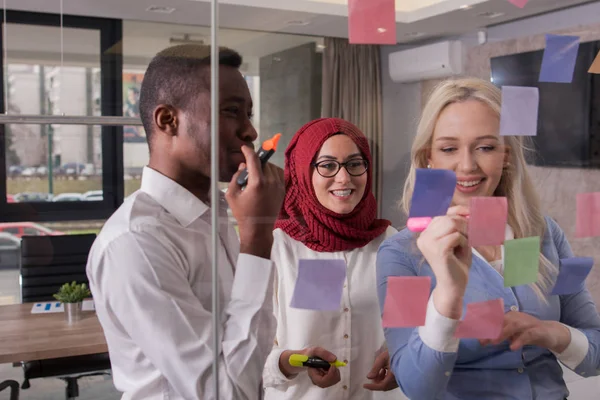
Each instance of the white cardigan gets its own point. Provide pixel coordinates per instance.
(354, 333)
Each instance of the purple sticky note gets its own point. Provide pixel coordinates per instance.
(559, 59)
(483, 320)
(434, 189)
(319, 285)
(519, 112)
(572, 274)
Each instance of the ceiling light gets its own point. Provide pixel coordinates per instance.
(161, 9)
(320, 46)
(414, 34)
(466, 7)
(297, 22)
(490, 14)
(185, 39)
(381, 30)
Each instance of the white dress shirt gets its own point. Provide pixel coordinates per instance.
(438, 331)
(150, 275)
(354, 333)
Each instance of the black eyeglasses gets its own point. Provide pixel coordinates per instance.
(330, 168)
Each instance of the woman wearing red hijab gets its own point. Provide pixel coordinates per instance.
(329, 212)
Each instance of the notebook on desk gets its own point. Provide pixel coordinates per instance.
(56, 307)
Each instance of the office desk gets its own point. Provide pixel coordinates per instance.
(25, 336)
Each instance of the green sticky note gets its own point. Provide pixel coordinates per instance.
(521, 261)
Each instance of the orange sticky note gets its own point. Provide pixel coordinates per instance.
(406, 301)
(483, 320)
(372, 22)
(595, 68)
(588, 215)
(487, 221)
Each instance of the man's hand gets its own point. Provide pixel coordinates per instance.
(381, 374)
(257, 206)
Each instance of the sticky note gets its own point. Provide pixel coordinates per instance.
(519, 111)
(519, 3)
(587, 223)
(487, 221)
(595, 67)
(483, 320)
(521, 261)
(372, 22)
(406, 301)
(434, 189)
(572, 274)
(319, 285)
(560, 55)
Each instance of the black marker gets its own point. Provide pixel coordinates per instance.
(265, 152)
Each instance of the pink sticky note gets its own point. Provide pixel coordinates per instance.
(406, 301)
(487, 223)
(519, 3)
(483, 320)
(588, 215)
(372, 22)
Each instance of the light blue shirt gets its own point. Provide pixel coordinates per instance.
(473, 372)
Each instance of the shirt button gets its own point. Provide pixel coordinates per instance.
(346, 309)
(447, 373)
(520, 370)
(346, 335)
(344, 285)
(345, 361)
(512, 308)
(345, 387)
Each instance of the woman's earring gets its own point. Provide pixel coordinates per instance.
(507, 165)
(429, 166)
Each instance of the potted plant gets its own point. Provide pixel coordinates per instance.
(71, 295)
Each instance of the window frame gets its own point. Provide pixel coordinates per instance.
(111, 81)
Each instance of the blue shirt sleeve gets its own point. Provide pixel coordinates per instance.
(421, 372)
(578, 310)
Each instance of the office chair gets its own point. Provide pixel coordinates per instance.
(47, 262)
(13, 386)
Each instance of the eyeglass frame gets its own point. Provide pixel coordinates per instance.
(340, 166)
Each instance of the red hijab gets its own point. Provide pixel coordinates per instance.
(302, 216)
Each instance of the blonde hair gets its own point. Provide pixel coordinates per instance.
(524, 211)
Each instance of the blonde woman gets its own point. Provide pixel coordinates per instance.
(459, 131)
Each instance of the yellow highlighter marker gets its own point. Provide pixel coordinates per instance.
(300, 360)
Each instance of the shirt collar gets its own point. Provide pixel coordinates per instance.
(173, 197)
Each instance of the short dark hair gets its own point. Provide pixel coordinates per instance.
(174, 77)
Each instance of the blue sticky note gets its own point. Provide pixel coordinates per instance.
(572, 274)
(434, 189)
(560, 55)
(48, 305)
(319, 285)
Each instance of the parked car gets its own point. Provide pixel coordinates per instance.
(93, 195)
(68, 197)
(32, 196)
(10, 246)
(20, 229)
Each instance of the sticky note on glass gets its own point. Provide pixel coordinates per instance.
(319, 285)
(560, 55)
(483, 320)
(595, 67)
(519, 3)
(487, 221)
(434, 189)
(372, 21)
(572, 274)
(406, 301)
(521, 261)
(587, 223)
(519, 111)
